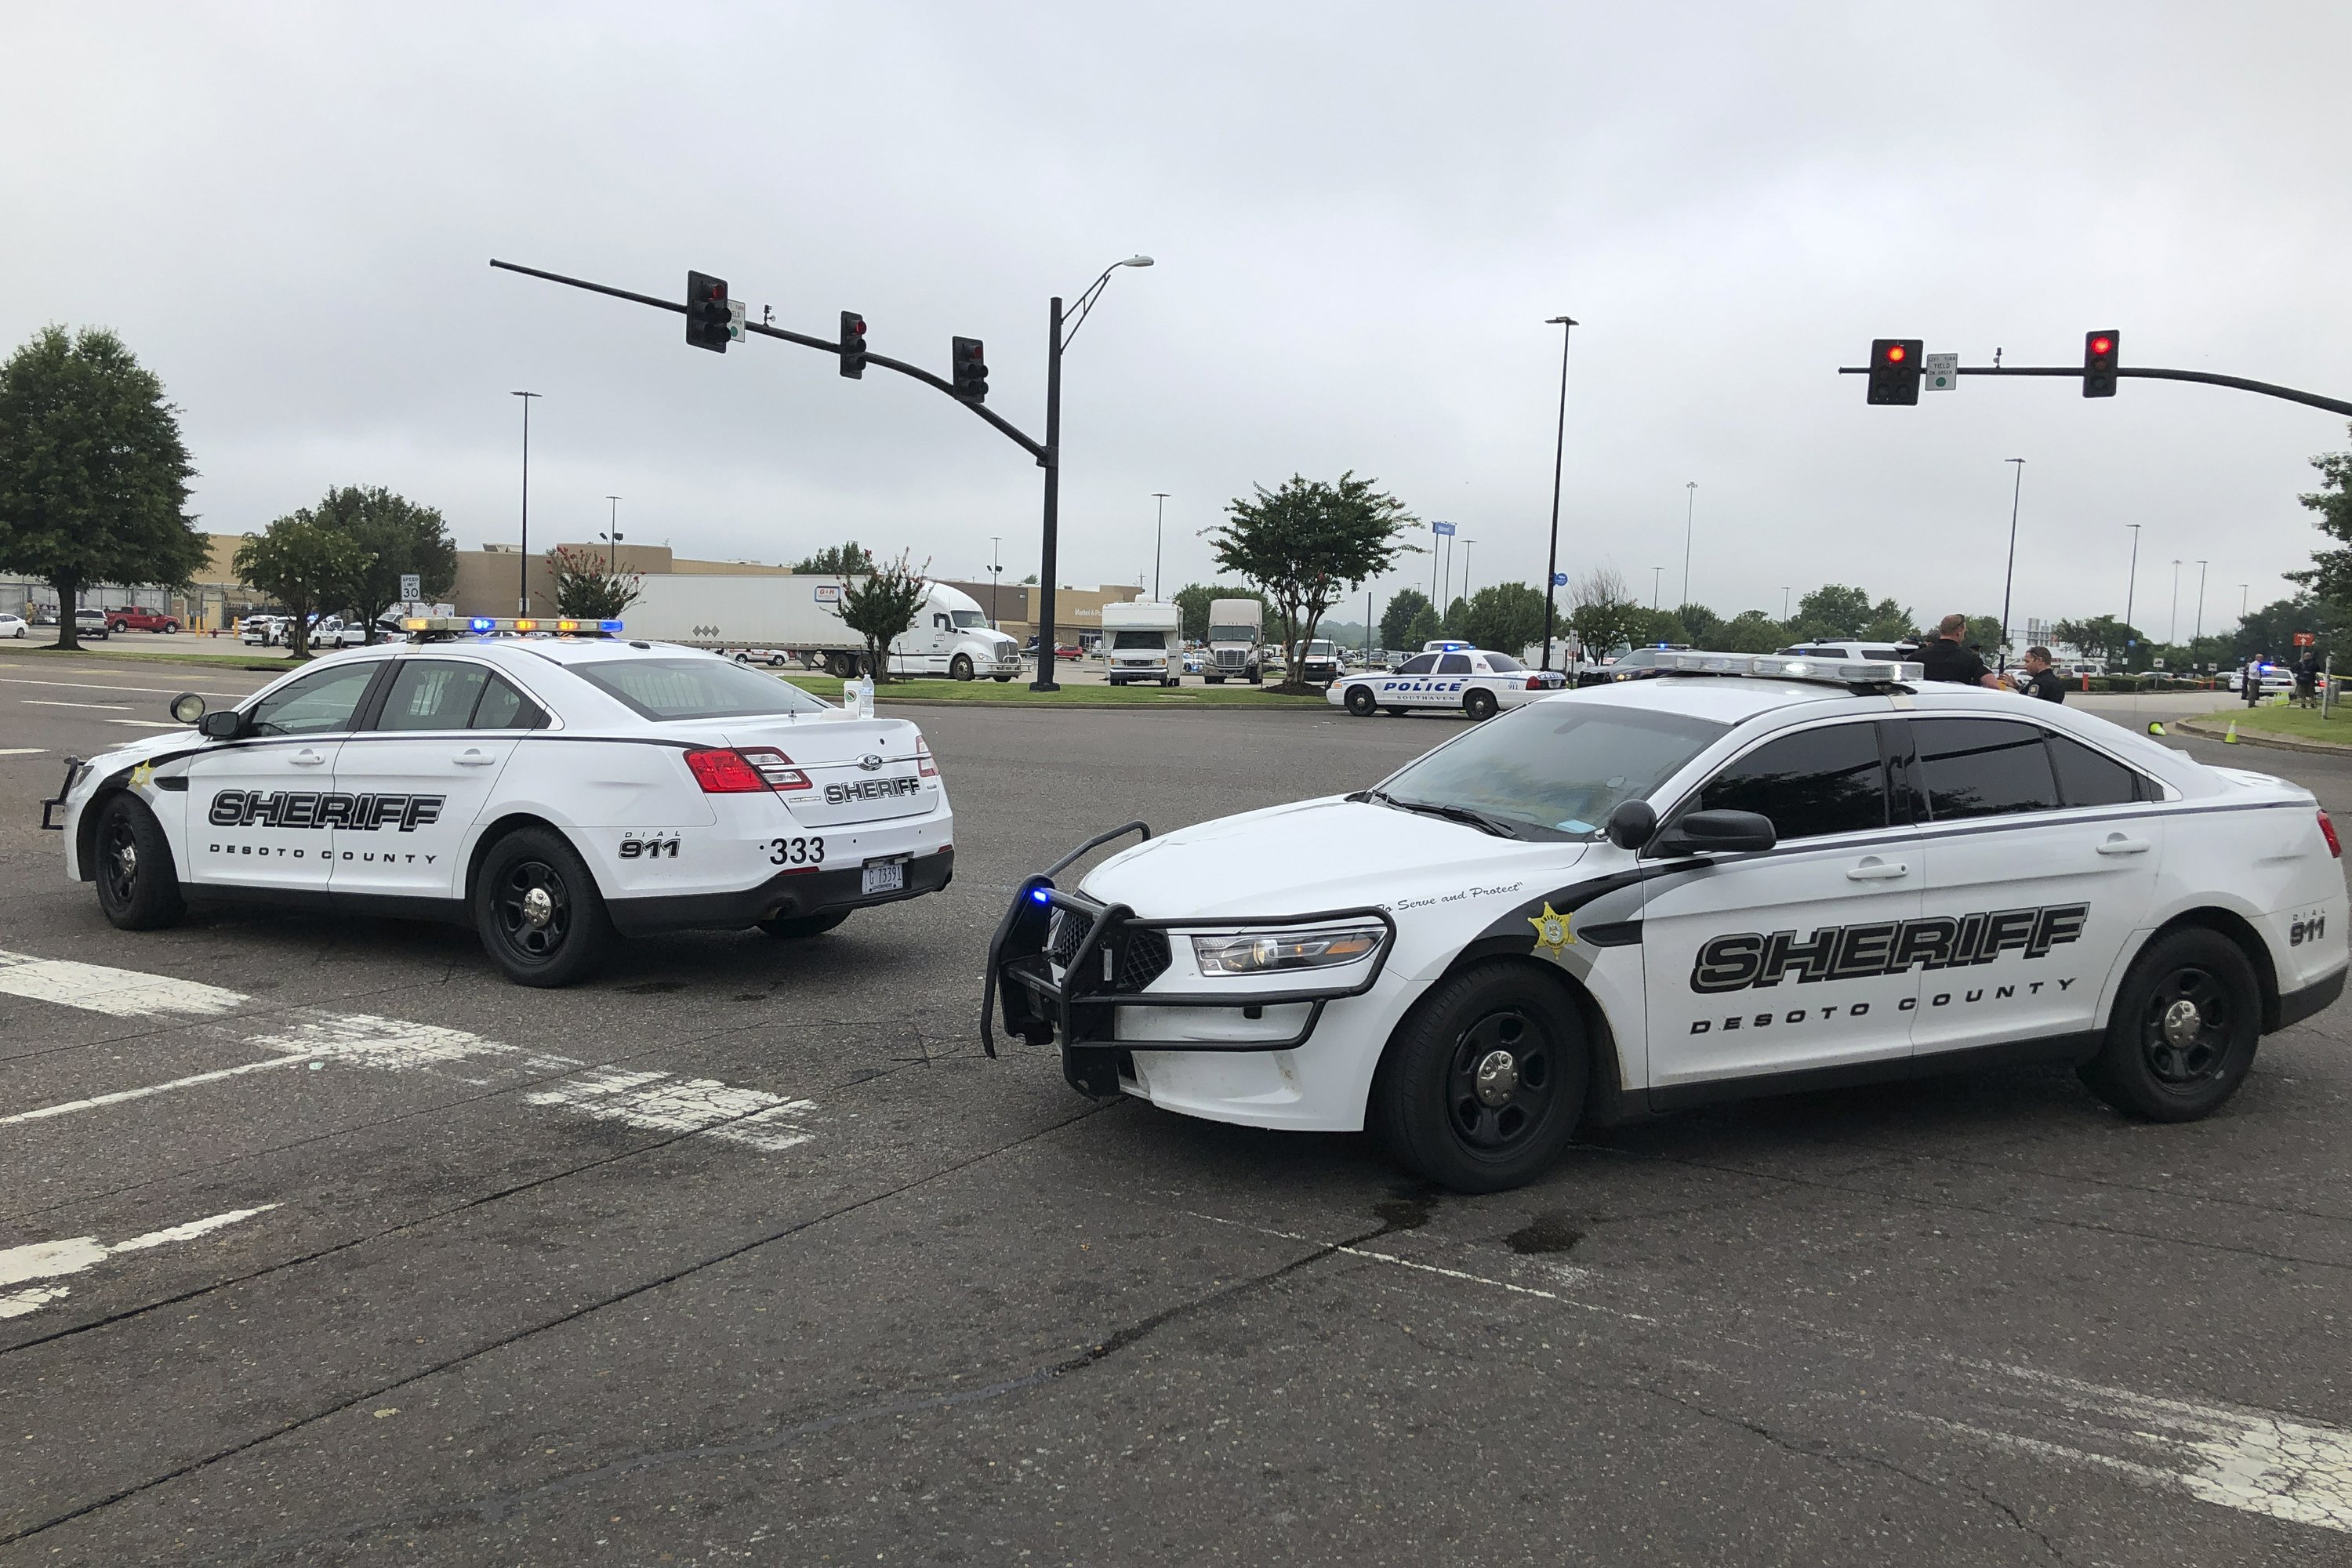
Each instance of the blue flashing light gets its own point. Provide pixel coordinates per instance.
(483, 624)
(1043, 895)
(608, 625)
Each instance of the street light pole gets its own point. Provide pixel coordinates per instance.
(1466, 568)
(995, 581)
(1567, 326)
(2009, 574)
(2199, 634)
(1157, 523)
(613, 556)
(2172, 627)
(2131, 583)
(1690, 517)
(2241, 601)
(523, 584)
(1657, 576)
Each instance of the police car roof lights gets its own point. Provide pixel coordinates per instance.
(1779, 667)
(429, 629)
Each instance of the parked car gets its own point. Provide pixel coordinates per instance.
(12, 626)
(262, 630)
(90, 624)
(133, 618)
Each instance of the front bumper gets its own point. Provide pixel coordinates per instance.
(1110, 967)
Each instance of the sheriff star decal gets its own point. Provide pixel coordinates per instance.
(142, 776)
(1553, 931)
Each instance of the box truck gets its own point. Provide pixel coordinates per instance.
(799, 616)
(1143, 641)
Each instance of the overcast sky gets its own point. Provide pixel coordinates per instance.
(1361, 214)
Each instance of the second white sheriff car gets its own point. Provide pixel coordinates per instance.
(548, 791)
(1743, 876)
(1477, 681)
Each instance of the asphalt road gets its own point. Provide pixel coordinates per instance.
(743, 1253)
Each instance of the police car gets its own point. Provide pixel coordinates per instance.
(1744, 876)
(548, 790)
(1477, 681)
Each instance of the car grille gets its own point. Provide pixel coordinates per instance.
(1138, 957)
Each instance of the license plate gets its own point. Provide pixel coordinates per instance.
(884, 877)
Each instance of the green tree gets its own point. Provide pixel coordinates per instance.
(397, 537)
(1752, 631)
(2330, 576)
(883, 605)
(1504, 616)
(1308, 545)
(849, 559)
(1655, 627)
(2269, 632)
(1425, 628)
(1699, 623)
(1604, 616)
(1834, 612)
(1984, 634)
(92, 470)
(587, 588)
(305, 564)
(2102, 638)
(1396, 621)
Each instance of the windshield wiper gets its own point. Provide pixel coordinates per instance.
(1462, 813)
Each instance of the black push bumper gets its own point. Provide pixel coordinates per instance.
(1107, 957)
(785, 896)
(73, 771)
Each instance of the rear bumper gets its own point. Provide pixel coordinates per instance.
(2294, 1006)
(787, 895)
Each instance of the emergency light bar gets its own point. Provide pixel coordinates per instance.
(1782, 667)
(488, 625)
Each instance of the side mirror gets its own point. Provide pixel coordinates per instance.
(1632, 825)
(187, 708)
(1718, 833)
(226, 725)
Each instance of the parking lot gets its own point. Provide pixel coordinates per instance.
(320, 1243)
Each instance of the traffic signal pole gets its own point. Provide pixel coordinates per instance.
(2268, 389)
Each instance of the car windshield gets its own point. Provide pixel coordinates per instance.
(1139, 639)
(670, 688)
(1554, 769)
(968, 620)
(1233, 634)
(1319, 648)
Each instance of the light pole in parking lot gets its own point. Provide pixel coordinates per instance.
(995, 580)
(1567, 326)
(2198, 634)
(613, 556)
(522, 582)
(1466, 568)
(1157, 522)
(2009, 574)
(1657, 575)
(2131, 589)
(1690, 517)
(2172, 627)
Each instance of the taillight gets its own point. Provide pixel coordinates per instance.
(724, 772)
(1535, 683)
(775, 767)
(2328, 831)
(923, 763)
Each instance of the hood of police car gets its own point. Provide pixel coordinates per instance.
(1315, 855)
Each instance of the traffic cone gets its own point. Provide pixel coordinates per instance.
(2231, 737)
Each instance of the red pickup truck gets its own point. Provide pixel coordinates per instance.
(132, 618)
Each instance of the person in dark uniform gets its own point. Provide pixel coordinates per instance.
(1946, 659)
(2040, 681)
(2306, 679)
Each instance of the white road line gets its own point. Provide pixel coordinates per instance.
(67, 1107)
(51, 1260)
(660, 1104)
(22, 751)
(51, 702)
(94, 686)
(95, 988)
(146, 723)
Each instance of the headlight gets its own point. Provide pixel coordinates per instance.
(1266, 951)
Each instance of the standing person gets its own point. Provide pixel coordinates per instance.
(1946, 659)
(2040, 681)
(2250, 680)
(2306, 679)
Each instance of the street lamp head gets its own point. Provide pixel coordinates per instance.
(1563, 321)
(526, 394)
(1137, 261)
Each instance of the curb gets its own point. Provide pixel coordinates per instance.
(2256, 738)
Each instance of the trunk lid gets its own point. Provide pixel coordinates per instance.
(859, 770)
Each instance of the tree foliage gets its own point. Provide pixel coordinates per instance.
(397, 537)
(847, 558)
(883, 605)
(1699, 624)
(93, 473)
(1602, 613)
(1307, 545)
(587, 587)
(304, 563)
(1834, 612)
(1752, 631)
(1504, 617)
(1396, 622)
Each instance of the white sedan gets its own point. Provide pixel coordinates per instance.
(1745, 876)
(549, 792)
(14, 627)
(1477, 681)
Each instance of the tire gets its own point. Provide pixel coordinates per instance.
(841, 664)
(137, 885)
(1439, 1115)
(170, 628)
(1001, 679)
(1212, 679)
(1359, 702)
(1173, 680)
(540, 943)
(2164, 1065)
(1393, 712)
(743, 658)
(960, 667)
(1479, 703)
(1257, 677)
(791, 927)
(117, 626)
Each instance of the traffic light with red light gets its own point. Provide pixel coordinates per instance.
(1894, 370)
(2099, 352)
(853, 344)
(707, 314)
(971, 364)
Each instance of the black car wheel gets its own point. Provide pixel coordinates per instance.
(2183, 1033)
(1483, 1081)
(137, 885)
(1479, 703)
(1395, 713)
(790, 927)
(538, 910)
(1359, 702)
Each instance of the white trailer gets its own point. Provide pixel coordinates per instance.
(1237, 631)
(799, 616)
(1143, 641)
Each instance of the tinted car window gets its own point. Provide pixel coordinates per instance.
(503, 707)
(693, 687)
(431, 694)
(318, 703)
(1984, 767)
(1454, 664)
(1503, 663)
(1419, 664)
(2087, 777)
(1814, 782)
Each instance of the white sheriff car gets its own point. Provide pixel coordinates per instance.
(1742, 876)
(1475, 682)
(548, 791)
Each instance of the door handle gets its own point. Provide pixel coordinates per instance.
(307, 758)
(472, 757)
(2116, 844)
(1874, 869)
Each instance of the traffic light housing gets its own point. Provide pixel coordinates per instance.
(853, 344)
(708, 313)
(1894, 370)
(970, 370)
(2100, 350)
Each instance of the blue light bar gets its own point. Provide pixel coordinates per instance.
(1043, 895)
(483, 624)
(608, 625)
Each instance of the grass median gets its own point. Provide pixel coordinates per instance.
(2293, 723)
(1016, 694)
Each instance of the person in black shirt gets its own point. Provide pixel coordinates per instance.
(1944, 658)
(2306, 679)
(2040, 681)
